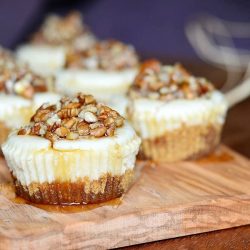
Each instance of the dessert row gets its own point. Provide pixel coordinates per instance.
(66, 48)
(77, 110)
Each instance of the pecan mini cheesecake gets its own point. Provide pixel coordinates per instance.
(77, 151)
(177, 115)
(105, 70)
(46, 52)
(21, 91)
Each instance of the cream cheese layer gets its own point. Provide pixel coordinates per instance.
(102, 84)
(35, 159)
(44, 60)
(46, 97)
(153, 118)
(15, 111)
(119, 103)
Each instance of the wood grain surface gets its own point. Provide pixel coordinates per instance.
(167, 201)
(236, 134)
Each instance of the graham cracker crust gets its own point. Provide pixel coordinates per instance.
(185, 143)
(81, 192)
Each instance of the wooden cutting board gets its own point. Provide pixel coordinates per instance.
(167, 201)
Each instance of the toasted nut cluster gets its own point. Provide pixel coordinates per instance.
(73, 118)
(8, 63)
(106, 55)
(16, 78)
(167, 83)
(6, 56)
(68, 30)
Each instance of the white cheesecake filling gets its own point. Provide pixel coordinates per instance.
(102, 84)
(43, 59)
(152, 118)
(15, 111)
(34, 159)
(119, 103)
(46, 97)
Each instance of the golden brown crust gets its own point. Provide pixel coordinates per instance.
(73, 118)
(166, 83)
(81, 192)
(185, 143)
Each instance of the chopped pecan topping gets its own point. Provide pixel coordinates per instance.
(68, 30)
(106, 55)
(159, 82)
(17, 79)
(6, 55)
(73, 118)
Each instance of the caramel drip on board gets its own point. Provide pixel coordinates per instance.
(70, 208)
(216, 157)
(8, 190)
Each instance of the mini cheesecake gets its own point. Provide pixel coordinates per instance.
(105, 70)
(21, 92)
(46, 52)
(177, 115)
(77, 151)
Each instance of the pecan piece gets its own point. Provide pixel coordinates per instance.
(83, 128)
(35, 129)
(22, 131)
(72, 105)
(62, 131)
(108, 121)
(68, 113)
(72, 136)
(98, 132)
(89, 99)
(119, 121)
(111, 130)
(90, 117)
(50, 136)
(155, 86)
(41, 115)
(69, 123)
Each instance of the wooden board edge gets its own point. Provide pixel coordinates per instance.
(142, 227)
(165, 223)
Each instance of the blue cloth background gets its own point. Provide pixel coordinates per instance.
(155, 28)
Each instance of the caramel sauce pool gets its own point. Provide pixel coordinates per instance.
(216, 157)
(69, 208)
(8, 190)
